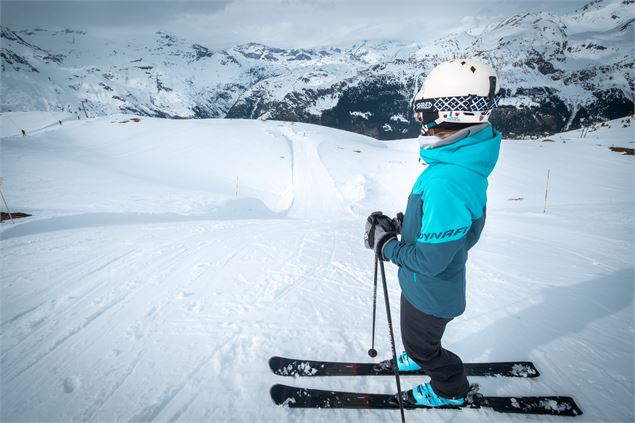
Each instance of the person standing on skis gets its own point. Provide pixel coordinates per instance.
(444, 217)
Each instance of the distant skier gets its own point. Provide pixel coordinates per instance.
(23, 132)
(60, 122)
(444, 218)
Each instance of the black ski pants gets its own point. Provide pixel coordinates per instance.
(421, 335)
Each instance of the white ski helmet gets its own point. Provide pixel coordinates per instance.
(458, 91)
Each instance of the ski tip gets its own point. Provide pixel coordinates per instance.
(575, 409)
(280, 366)
(279, 394)
(272, 363)
(276, 392)
(560, 406)
(533, 371)
(522, 369)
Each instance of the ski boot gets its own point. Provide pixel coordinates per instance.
(404, 364)
(424, 396)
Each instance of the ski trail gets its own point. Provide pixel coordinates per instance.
(104, 397)
(66, 281)
(314, 190)
(151, 412)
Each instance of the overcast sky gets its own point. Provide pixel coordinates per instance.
(281, 23)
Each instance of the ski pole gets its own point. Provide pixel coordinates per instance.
(544, 210)
(392, 336)
(372, 351)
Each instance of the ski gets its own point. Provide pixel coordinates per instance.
(292, 367)
(315, 398)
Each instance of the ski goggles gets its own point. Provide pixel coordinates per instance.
(426, 109)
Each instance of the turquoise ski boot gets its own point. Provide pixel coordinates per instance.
(405, 363)
(424, 395)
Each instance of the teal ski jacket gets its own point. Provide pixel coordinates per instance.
(444, 218)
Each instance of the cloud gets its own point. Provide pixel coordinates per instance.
(282, 23)
(87, 14)
(300, 23)
(472, 24)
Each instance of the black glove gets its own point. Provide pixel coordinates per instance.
(379, 230)
(398, 222)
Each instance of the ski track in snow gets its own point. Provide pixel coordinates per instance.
(169, 311)
(315, 193)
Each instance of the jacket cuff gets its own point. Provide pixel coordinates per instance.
(388, 248)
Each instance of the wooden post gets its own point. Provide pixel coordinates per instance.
(546, 191)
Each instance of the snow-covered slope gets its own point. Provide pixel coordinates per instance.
(558, 72)
(188, 166)
(166, 260)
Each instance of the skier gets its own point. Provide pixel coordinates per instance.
(444, 217)
(23, 132)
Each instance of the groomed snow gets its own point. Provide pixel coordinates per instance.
(167, 260)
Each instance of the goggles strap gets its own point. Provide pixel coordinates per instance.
(427, 126)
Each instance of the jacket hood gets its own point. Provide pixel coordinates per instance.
(475, 148)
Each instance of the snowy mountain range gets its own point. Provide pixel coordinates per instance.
(558, 73)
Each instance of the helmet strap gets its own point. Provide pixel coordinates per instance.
(427, 126)
(492, 87)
